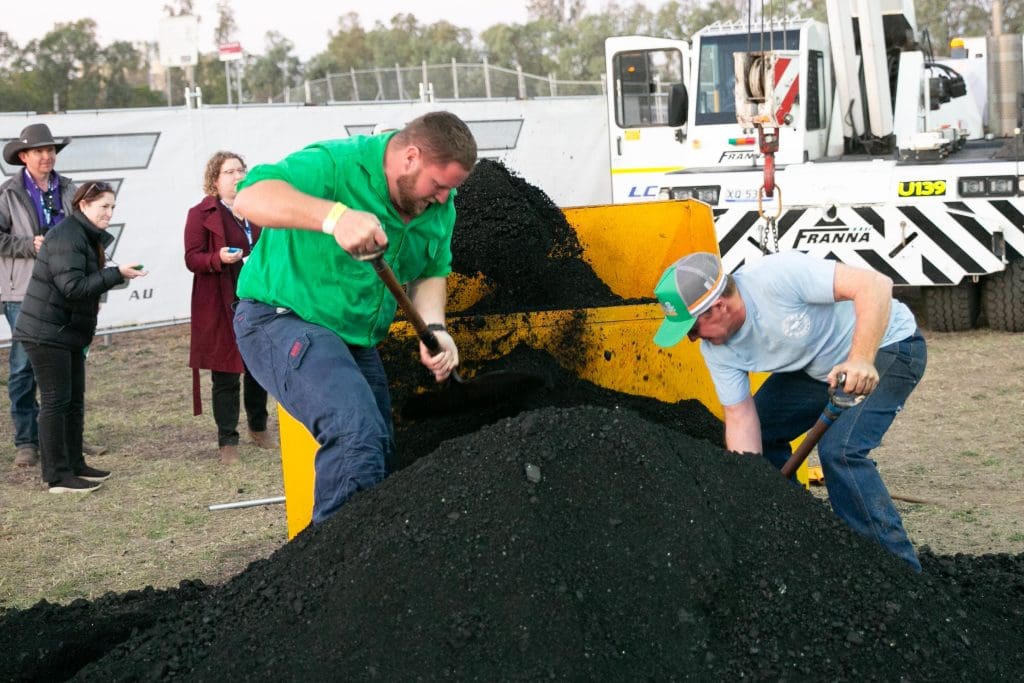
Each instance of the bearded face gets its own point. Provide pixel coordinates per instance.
(423, 184)
(407, 201)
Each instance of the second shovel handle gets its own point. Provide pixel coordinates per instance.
(811, 439)
(804, 449)
(387, 276)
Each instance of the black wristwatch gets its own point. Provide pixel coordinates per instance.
(437, 327)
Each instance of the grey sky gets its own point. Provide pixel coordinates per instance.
(304, 22)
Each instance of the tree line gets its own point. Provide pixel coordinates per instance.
(68, 69)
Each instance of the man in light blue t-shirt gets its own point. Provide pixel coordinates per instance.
(806, 321)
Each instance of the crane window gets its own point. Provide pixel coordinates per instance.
(716, 74)
(816, 94)
(649, 84)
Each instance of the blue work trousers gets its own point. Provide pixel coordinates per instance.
(788, 404)
(338, 391)
(21, 386)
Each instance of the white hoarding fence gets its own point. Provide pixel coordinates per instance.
(155, 160)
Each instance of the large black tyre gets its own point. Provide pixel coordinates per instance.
(1003, 298)
(952, 308)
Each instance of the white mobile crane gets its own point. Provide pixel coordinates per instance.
(846, 139)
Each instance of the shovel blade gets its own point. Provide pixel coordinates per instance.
(485, 390)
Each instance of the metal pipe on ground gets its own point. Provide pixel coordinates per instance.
(246, 503)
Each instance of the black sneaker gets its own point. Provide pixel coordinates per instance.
(92, 474)
(71, 484)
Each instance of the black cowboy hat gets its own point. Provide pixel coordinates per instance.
(32, 137)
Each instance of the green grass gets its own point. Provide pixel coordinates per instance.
(967, 516)
(149, 523)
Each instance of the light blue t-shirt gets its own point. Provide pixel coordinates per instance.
(793, 323)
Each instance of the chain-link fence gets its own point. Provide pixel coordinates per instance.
(428, 82)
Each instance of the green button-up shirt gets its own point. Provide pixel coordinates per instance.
(310, 274)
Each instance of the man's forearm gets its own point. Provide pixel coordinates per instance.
(11, 246)
(871, 294)
(429, 296)
(16, 247)
(871, 308)
(275, 203)
(742, 427)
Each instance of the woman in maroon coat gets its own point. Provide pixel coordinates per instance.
(216, 244)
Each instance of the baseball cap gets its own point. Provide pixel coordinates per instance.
(686, 289)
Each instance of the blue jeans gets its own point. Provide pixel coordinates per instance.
(788, 404)
(339, 392)
(21, 386)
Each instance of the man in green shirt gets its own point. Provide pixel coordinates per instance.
(311, 314)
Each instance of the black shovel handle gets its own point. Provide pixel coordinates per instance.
(387, 276)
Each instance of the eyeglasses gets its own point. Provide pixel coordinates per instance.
(233, 171)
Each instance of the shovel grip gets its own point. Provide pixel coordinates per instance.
(387, 276)
(829, 415)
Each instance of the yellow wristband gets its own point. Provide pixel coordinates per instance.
(332, 217)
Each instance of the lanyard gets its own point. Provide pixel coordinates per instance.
(49, 209)
(243, 224)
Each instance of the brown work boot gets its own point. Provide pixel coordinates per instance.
(26, 456)
(263, 439)
(229, 454)
(92, 449)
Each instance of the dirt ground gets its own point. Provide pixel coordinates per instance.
(149, 524)
(959, 445)
(954, 459)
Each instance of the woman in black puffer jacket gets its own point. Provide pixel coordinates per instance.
(56, 326)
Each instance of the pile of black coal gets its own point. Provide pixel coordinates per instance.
(588, 544)
(52, 642)
(558, 388)
(511, 232)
